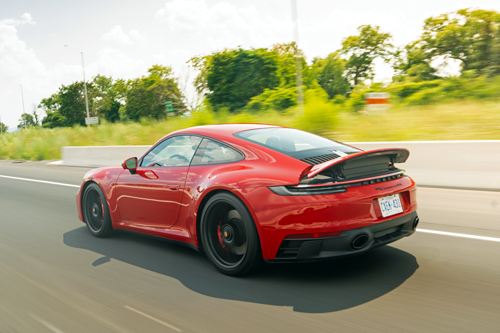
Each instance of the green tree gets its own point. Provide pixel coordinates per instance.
(108, 97)
(27, 120)
(413, 63)
(201, 64)
(68, 105)
(280, 98)
(470, 36)
(146, 96)
(53, 119)
(363, 49)
(73, 106)
(51, 107)
(287, 55)
(3, 128)
(329, 73)
(230, 78)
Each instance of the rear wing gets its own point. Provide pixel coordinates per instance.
(396, 155)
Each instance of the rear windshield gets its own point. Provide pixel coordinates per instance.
(295, 143)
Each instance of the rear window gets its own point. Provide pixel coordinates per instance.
(213, 152)
(295, 143)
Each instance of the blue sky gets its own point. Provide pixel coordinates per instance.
(123, 39)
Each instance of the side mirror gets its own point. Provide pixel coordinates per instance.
(130, 164)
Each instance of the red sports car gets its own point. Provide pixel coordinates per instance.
(246, 192)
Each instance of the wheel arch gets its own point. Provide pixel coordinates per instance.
(203, 203)
(84, 187)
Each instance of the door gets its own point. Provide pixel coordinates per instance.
(152, 196)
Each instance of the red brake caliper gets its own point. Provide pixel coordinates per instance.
(219, 234)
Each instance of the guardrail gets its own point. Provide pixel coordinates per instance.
(463, 164)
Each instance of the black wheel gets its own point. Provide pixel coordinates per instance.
(95, 211)
(229, 236)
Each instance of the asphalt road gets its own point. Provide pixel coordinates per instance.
(55, 277)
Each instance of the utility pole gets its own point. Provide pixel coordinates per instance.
(298, 63)
(85, 86)
(22, 97)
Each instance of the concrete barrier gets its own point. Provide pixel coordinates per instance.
(463, 164)
(100, 156)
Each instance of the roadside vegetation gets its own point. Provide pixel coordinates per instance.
(462, 120)
(260, 86)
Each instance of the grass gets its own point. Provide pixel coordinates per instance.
(467, 120)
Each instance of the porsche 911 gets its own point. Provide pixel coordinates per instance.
(247, 193)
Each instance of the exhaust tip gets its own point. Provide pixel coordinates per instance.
(360, 241)
(415, 223)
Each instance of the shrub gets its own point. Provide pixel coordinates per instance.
(277, 99)
(318, 116)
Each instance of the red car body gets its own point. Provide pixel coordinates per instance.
(168, 201)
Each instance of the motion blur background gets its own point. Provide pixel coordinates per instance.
(214, 61)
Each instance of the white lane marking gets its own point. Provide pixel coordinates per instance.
(453, 234)
(491, 239)
(39, 181)
(153, 318)
(46, 324)
(444, 141)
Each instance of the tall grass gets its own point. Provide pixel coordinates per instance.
(467, 120)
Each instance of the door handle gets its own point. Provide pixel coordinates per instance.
(173, 187)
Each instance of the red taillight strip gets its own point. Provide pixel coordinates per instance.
(350, 181)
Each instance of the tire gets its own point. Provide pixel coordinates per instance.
(229, 236)
(96, 212)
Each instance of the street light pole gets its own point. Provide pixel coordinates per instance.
(298, 63)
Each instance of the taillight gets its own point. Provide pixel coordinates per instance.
(298, 190)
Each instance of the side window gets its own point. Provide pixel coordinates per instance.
(213, 152)
(174, 151)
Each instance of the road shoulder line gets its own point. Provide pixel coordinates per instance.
(39, 181)
(454, 234)
(153, 318)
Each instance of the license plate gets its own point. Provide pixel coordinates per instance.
(390, 205)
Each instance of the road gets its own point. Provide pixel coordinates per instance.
(55, 277)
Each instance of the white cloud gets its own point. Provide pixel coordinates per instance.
(112, 62)
(222, 25)
(136, 35)
(17, 61)
(26, 18)
(19, 65)
(116, 34)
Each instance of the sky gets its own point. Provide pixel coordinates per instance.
(123, 38)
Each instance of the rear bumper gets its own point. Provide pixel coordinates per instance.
(369, 237)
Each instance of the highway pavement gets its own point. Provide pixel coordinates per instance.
(56, 277)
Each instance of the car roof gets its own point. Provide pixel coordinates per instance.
(227, 129)
(220, 131)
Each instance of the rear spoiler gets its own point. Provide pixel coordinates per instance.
(398, 155)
